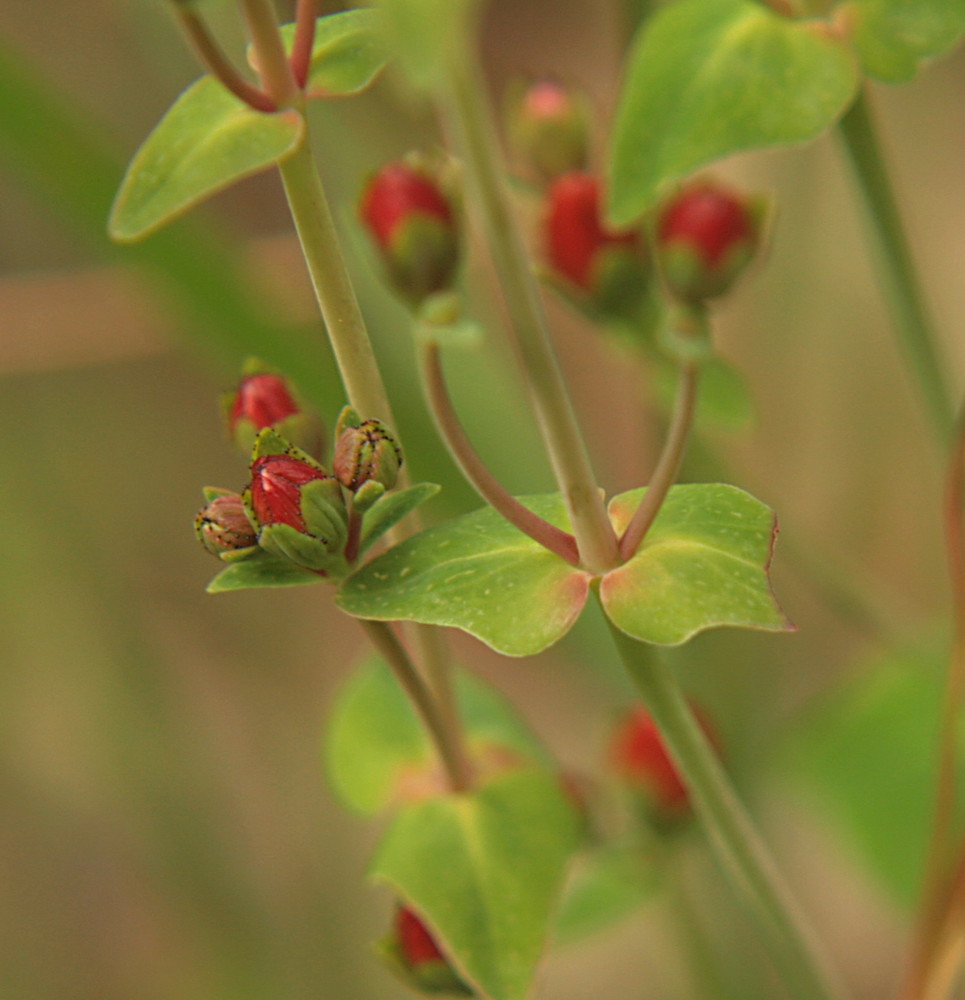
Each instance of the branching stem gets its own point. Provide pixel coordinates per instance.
(306, 18)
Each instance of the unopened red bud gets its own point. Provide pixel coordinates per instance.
(420, 956)
(413, 223)
(223, 526)
(705, 236)
(608, 267)
(639, 756)
(276, 489)
(548, 126)
(367, 453)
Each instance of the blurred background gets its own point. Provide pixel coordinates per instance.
(166, 828)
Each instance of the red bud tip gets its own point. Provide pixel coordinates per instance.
(264, 399)
(276, 482)
(396, 193)
(416, 944)
(638, 754)
(547, 99)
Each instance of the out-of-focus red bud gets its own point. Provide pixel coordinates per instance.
(705, 236)
(413, 223)
(608, 267)
(263, 399)
(638, 755)
(548, 125)
(420, 956)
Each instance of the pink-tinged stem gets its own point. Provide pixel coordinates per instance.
(940, 935)
(354, 536)
(270, 55)
(217, 63)
(480, 478)
(668, 465)
(306, 18)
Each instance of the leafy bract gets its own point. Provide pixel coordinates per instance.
(347, 55)
(477, 573)
(484, 871)
(207, 140)
(894, 37)
(261, 570)
(387, 511)
(703, 563)
(376, 749)
(707, 78)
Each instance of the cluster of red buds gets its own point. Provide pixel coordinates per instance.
(293, 507)
(415, 954)
(639, 757)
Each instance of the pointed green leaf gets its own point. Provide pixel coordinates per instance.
(477, 573)
(347, 55)
(208, 140)
(708, 78)
(703, 563)
(607, 884)
(866, 756)
(261, 570)
(376, 749)
(484, 871)
(386, 512)
(894, 37)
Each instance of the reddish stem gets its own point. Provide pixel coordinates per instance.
(301, 58)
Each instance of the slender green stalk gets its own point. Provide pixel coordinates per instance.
(913, 322)
(469, 116)
(211, 56)
(450, 750)
(480, 478)
(732, 836)
(306, 19)
(668, 465)
(270, 55)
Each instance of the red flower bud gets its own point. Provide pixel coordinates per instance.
(548, 125)
(706, 234)
(263, 399)
(276, 496)
(223, 526)
(420, 957)
(608, 266)
(640, 758)
(413, 224)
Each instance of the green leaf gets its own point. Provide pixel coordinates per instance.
(425, 35)
(484, 871)
(376, 749)
(708, 78)
(894, 37)
(208, 140)
(347, 55)
(261, 570)
(703, 563)
(867, 757)
(607, 884)
(386, 512)
(477, 573)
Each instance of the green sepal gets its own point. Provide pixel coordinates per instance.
(348, 417)
(207, 140)
(211, 493)
(366, 495)
(270, 442)
(323, 510)
(485, 870)
(348, 53)
(431, 978)
(440, 320)
(480, 574)
(704, 563)
(377, 753)
(707, 78)
(263, 569)
(286, 542)
(893, 38)
(387, 511)
(237, 555)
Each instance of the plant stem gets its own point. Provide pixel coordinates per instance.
(937, 946)
(450, 750)
(468, 112)
(913, 323)
(301, 57)
(270, 55)
(213, 59)
(668, 465)
(480, 478)
(732, 836)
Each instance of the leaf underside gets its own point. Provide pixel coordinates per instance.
(261, 570)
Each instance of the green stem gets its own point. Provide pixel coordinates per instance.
(668, 465)
(469, 115)
(450, 750)
(480, 478)
(733, 838)
(913, 322)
